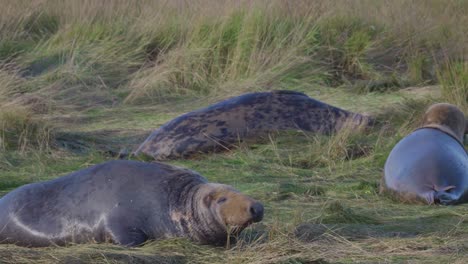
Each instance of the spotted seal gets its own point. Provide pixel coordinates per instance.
(249, 116)
(431, 164)
(127, 203)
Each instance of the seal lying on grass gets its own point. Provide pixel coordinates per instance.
(248, 116)
(127, 203)
(431, 164)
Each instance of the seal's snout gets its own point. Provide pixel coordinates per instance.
(256, 210)
(234, 208)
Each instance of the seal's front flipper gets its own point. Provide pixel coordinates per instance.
(129, 236)
(445, 198)
(125, 229)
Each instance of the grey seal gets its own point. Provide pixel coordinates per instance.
(245, 117)
(126, 203)
(430, 165)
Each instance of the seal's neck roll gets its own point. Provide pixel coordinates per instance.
(212, 213)
(193, 217)
(207, 226)
(446, 118)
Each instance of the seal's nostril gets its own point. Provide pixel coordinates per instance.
(252, 211)
(256, 210)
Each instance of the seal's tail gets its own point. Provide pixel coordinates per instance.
(356, 120)
(444, 196)
(367, 120)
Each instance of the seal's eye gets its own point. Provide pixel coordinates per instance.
(222, 200)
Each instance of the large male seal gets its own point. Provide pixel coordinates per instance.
(431, 164)
(127, 203)
(248, 116)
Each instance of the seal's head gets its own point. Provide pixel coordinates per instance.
(223, 211)
(232, 208)
(447, 118)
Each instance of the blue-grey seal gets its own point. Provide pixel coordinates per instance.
(431, 163)
(127, 203)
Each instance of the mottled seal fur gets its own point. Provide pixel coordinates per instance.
(248, 116)
(127, 203)
(430, 165)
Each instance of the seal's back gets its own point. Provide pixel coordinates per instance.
(427, 162)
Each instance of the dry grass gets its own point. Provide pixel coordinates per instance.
(80, 80)
(153, 50)
(20, 130)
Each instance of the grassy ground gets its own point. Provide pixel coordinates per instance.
(82, 81)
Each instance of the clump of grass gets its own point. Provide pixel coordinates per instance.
(404, 116)
(453, 77)
(367, 187)
(85, 54)
(39, 25)
(382, 85)
(243, 45)
(418, 71)
(9, 184)
(21, 130)
(10, 49)
(336, 212)
(320, 151)
(343, 146)
(10, 82)
(347, 40)
(290, 190)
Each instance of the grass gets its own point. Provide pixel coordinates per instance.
(20, 130)
(81, 82)
(454, 80)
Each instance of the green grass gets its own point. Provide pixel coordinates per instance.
(338, 194)
(81, 82)
(20, 130)
(454, 79)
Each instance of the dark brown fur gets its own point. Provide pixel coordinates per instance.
(247, 117)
